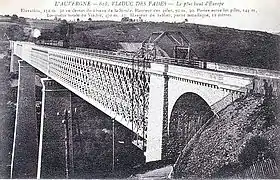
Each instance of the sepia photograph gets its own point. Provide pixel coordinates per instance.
(139, 89)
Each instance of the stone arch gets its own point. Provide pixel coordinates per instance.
(188, 114)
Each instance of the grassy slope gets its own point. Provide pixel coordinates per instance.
(42, 24)
(246, 132)
(7, 108)
(7, 115)
(217, 44)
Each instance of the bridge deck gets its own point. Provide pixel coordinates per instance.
(119, 83)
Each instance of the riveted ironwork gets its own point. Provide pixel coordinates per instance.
(122, 89)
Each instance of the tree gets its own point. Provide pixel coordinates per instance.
(22, 20)
(125, 19)
(89, 19)
(16, 33)
(63, 28)
(14, 17)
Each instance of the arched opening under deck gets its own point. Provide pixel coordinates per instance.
(188, 115)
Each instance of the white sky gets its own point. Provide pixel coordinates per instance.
(267, 17)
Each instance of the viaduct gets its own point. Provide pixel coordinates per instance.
(159, 100)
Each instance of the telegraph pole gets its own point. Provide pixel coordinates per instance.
(66, 141)
(113, 151)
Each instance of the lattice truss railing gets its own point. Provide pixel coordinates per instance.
(120, 88)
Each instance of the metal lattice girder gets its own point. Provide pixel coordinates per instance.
(121, 90)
